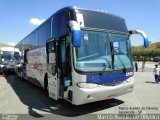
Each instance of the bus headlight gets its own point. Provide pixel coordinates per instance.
(87, 85)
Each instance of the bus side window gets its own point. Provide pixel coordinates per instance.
(50, 50)
(50, 47)
(51, 57)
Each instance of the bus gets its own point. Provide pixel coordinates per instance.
(9, 58)
(80, 55)
(8, 54)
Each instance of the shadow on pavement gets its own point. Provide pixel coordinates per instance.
(36, 98)
(152, 82)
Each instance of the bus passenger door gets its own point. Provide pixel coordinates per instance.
(64, 65)
(52, 81)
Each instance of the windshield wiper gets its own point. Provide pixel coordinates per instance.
(124, 67)
(105, 64)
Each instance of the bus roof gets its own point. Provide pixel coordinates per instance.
(68, 8)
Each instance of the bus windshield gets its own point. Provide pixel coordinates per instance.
(9, 55)
(94, 54)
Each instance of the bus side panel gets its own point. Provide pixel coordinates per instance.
(36, 67)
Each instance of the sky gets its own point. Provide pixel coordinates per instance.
(20, 17)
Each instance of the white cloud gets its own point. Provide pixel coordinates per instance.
(36, 21)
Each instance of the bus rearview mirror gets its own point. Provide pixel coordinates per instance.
(76, 39)
(143, 34)
(146, 42)
(76, 33)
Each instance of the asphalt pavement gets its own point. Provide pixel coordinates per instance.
(22, 100)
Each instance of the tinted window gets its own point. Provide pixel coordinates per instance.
(34, 40)
(27, 43)
(59, 26)
(103, 21)
(44, 33)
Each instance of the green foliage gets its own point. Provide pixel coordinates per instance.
(141, 53)
(158, 45)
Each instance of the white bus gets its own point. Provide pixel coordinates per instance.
(80, 55)
(8, 54)
(9, 58)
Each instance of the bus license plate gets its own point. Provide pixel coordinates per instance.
(112, 96)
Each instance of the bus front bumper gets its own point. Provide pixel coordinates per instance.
(82, 95)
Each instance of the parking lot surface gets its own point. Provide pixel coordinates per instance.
(20, 97)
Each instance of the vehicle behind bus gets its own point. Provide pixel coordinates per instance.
(9, 58)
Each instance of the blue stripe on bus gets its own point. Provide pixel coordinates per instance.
(107, 78)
